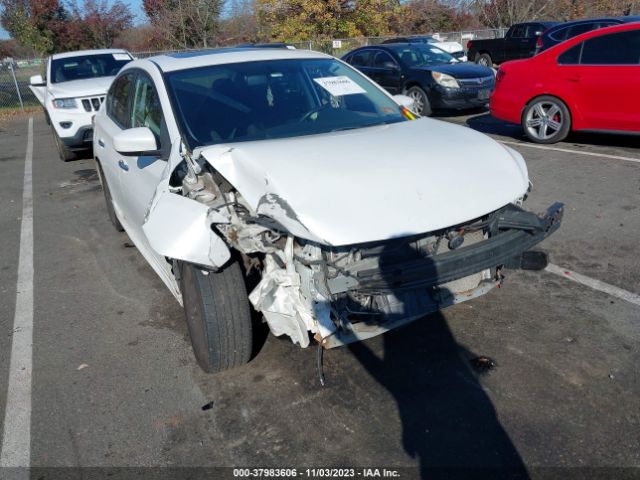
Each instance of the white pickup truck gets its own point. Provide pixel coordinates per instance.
(72, 91)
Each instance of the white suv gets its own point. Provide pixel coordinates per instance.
(72, 92)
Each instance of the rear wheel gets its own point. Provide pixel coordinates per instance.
(218, 316)
(108, 200)
(484, 60)
(546, 119)
(420, 100)
(64, 153)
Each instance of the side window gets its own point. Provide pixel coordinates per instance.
(118, 100)
(531, 30)
(621, 48)
(360, 59)
(579, 29)
(518, 31)
(571, 56)
(381, 58)
(560, 34)
(146, 110)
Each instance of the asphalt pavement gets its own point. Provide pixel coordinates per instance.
(536, 379)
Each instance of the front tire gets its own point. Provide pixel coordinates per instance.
(64, 153)
(108, 200)
(218, 316)
(546, 120)
(421, 102)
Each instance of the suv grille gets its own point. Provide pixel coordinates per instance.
(92, 104)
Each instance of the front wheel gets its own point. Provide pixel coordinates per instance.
(108, 199)
(64, 153)
(420, 101)
(218, 316)
(546, 119)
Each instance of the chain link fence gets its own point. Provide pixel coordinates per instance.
(15, 74)
(14, 83)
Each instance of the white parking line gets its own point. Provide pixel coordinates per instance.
(567, 150)
(16, 441)
(595, 284)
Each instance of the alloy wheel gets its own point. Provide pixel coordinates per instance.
(544, 120)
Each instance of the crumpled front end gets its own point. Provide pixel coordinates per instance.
(345, 294)
(337, 294)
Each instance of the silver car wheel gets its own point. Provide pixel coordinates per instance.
(418, 101)
(544, 120)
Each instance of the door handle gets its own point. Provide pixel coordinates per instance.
(123, 165)
(574, 78)
(101, 142)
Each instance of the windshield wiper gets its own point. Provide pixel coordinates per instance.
(342, 129)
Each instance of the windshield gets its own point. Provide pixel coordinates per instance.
(87, 66)
(275, 99)
(422, 55)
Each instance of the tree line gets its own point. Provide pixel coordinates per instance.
(48, 26)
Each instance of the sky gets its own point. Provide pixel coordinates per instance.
(135, 5)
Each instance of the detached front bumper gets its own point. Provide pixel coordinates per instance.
(410, 289)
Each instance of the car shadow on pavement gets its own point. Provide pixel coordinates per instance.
(490, 125)
(449, 423)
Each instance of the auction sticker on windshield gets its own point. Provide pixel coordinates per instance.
(339, 86)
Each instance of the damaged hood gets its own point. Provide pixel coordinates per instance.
(373, 183)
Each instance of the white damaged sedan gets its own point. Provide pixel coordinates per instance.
(286, 180)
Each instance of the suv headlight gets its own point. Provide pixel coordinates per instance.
(445, 80)
(65, 103)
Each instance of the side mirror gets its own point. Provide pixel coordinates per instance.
(404, 101)
(135, 141)
(36, 81)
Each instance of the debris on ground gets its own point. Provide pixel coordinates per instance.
(82, 365)
(482, 365)
(207, 406)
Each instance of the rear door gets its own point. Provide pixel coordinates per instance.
(605, 80)
(361, 59)
(386, 72)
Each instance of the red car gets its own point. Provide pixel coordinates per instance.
(590, 82)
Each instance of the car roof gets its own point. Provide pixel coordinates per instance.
(79, 53)
(200, 58)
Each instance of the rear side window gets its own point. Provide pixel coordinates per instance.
(579, 29)
(532, 30)
(621, 48)
(518, 31)
(560, 34)
(381, 59)
(360, 59)
(571, 56)
(614, 49)
(118, 100)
